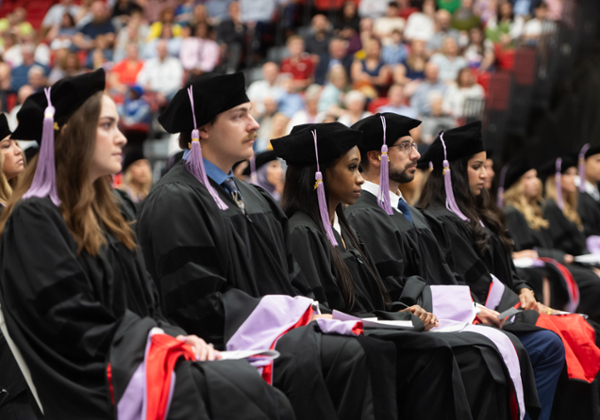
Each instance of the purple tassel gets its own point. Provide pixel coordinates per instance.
(44, 180)
(559, 197)
(195, 164)
(450, 200)
(431, 165)
(323, 209)
(383, 196)
(582, 153)
(500, 198)
(253, 176)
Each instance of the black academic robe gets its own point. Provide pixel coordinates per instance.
(565, 235)
(71, 314)
(589, 211)
(198, 255)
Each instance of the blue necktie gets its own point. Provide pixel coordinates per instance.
(403, 207)
(233, 190)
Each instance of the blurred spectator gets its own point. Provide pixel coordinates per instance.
(54, 15)
(4, 80)
(153, 8)
(437, 120)
(217, 9)
(36, 77)
(480, 51)
(66, 64)
(413, 68)
(373, 8)
(16, 22)
(335, 55)
(264, 132)
(289, 101)
(199, 54)
(135, 108)
(122, 12)
(333, 92)
(525, 8)
(125, 72)
(420, 98)
(101, 56)
(24, 92)
(442, 31)
(19, 74)
(135, 31)
(278, 128)
(99, 27)
(61, 35)
(347, 24)
(258, 16)
(267, 87)
(448, 61)
(231, 36)
(395, 52)
(505, 27)
(384, 26)
(532, 30)
(555, 9)
(365, 34)
(12, 50)
(167, 18)
(397, 103)
(421, 25)
(371, 70)
(184, 12)
(458, 92)
(405, 8)
(464, 18)
(163, 74)
(355, 102)
(485, 9)
(174, 43)
(298, 64)
(200, 15)
(317, 41)
(449, 5)
(310, 113)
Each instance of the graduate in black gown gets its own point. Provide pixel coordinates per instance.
(455, 194)
(74, 291)
(588, 204)
(213, 243)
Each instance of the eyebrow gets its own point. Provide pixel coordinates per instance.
(479, 161)
(245, 108)
(108, 118)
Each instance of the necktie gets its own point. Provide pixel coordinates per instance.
(403, 207)
(232, 189)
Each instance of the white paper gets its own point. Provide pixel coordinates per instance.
(373, 322)
(523, 262)
(246, 354)
(588, 259)
(509, 312)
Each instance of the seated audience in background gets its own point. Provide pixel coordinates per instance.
(442, 31)
(137, 179)
(437, 120)
(395, 51)
(371, 71)
(20, 73)
(60, 36)
(336, 55)
(479, 53)
(317, 40)
(420, 98)
(448, 61)
(310, 113)
(383, 27)
(413, 68)
(199, 54)
(173, 43)
(231, 36)
(355, 102)
(266, 87)
(532, 30)
(125, 73)
(36, 77)
(397, 103)
(55, 14)
(135, 108)
(24, 92)
(333, 92)
(167, 17)
(163, 74)
(463, 97)
(421, 25)
(504, 28)
(298, 64)
(289, 101)
(267, 119)
(135, 31)
(99, 27)
(464, 18)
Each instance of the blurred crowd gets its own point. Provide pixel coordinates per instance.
(426, 59)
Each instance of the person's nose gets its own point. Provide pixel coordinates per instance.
(254, 125)
(121, 140)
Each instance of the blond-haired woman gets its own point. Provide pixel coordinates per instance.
(137, 179)
(12, 162)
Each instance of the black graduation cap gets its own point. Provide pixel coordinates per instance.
(67, 95)
(259, 160)
(30, 153)
(396, 126)
(333, 140)
(594, 150)
(516, 169)
(132, 156)
(4, 129)
(549, 168)
(460, 142)
(212, 95)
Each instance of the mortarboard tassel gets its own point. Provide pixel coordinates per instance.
(383, 196)
(450, 200)
(44, 180)
(321, 197)
(195, 164)
(582, 153)
(500, 197)
(559, 197)
(253, 176)
(430, 165)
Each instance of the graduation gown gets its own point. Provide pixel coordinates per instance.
(565, 235)
(589, 211)
(481, 369)
(198, 255)
(72, 315)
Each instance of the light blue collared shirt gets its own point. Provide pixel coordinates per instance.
(212, 171)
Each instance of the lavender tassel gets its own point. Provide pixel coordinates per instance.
(195, 164)
(500, 197)
(44, 180)
(323, 208)
(430, 165)
(383, 196)
(450, 200)
(582, 153)
(559, 197)
(253, 176)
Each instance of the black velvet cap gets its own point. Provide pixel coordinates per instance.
(67, 95)
(460, 142)
(549, 168)
(132, 156)
(212, 95)
(333, 140)
(4, 129)
(261, 159)
(594, 150)
(396, 126)
(516, 169)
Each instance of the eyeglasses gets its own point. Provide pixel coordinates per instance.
(406, 147)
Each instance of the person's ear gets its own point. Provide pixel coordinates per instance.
(204, 131)
(374, 157)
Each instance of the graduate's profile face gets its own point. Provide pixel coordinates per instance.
(592, 168)
(567, 180)
(531, 184)
(477, 173)
(403, 156)
(13, 158)
(489, 168)
(231, 137)
(344, 181)
(109, 142)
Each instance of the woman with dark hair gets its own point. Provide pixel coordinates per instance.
(76, 297)
(265, 171)
(481, 250)
(335, 260)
